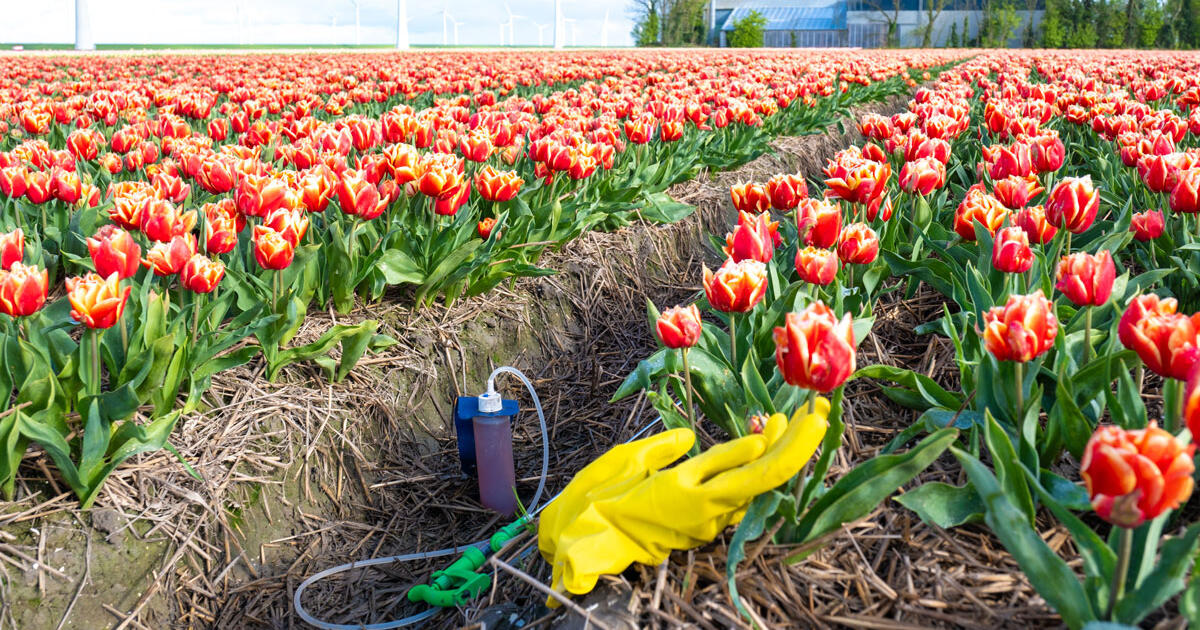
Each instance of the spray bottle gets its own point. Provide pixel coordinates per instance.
(484, 427)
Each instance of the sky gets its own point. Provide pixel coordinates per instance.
(312, 21)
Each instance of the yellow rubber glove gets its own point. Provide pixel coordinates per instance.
(685, 506)
(612, 473)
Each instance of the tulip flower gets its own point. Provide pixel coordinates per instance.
(880, 207)
(1047, 152)
(1136, 476)
(448, 204)
(12, 248)
(1032, 219)
(1072, 205)
(1168, 343)
(498, 186)
(439, 178)
(736, 287)
(752, 198)
(786, 191)
(680, 328)
(922, 176)
(97, 302)
(39, 187)
(1003, 161)
(201, 275)
(816, 266)
(1021, 330)
(113, 250)
(753, 238)
(23, 290)
(979, 206)
(485, 227)
(272, 250)
(857, 180)
(858, 244)
(12, 180)
(1085, 279)
(68, 188)
(1015, 191)
(1147, 225)
(161, 221)
(819, 223)
(1185, 196)
(1011, 252)
(1139, 308)
(167, 259)
(1191, 401)
(814, 350)
(220, 235)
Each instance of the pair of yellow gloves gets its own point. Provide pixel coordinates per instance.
(623, 508)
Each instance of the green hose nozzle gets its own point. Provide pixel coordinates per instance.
(459, 583)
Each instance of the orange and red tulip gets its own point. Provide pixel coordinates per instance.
(679, 327)
(1135, 476)
(1072, 204)
(753, 238)
(979, 206)
(201, 275)
(498, 186)
(168, 258)
(922, 176)
(858, 244)
(736, 287)
(162, 221)
(97, 302)
(1185, 195)
(113, 250)
(23, 290)
(1147, 225)
(1022, 329)
(816, 266)
(786, 191)
(1011, 252)
(12, 248)
(819, 222)
(1032, 219)
(271, 249)
(814, 350)
(1085, 279)
(750, 197)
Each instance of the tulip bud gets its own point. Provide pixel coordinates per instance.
(1032, 219)
(1014, 192)
(1135, 476)
(922, 176)
(753, 238)
(1073, 204)
(814, 350)
(1147, 225)
(786, 191)
(858, 244)
(1086, 279)
(819, 223)
(979, 206)
(271, 249)
(1185, 196)
(12, 248)
(736, 287)
(167, 259)
(816, 266)
(1022, 329)
(201, 275)
(752, 198)
(485, 227)
(1011, 252)
(23, 290)
(679, 327)
(113, 250)
(97, 302)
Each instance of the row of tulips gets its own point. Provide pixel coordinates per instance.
(193, 220)
(1049, 199)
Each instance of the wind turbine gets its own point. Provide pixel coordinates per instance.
(511, 19)
(604, 31)
(541, 29)
(402, 24)
(83, 27)
(444, 42)
(456, 24)
(574, 28)
(559, 32)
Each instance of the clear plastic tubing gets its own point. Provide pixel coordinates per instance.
(494, 463)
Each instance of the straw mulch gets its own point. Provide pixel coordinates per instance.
(301, 475)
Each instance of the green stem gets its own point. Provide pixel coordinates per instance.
(733, 341)
(1087, 336)
(1019, 371)
(195, 318)
(124, 337)
(275, 292)
(1118, 580)
(1068, 252)
(687, 379)
(94, 342)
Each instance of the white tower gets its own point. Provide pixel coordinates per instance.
(560, 35)
(83, 27)
(402, 24)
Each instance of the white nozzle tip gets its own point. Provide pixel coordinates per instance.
(490, 402)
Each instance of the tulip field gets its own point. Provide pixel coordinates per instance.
(167, 220)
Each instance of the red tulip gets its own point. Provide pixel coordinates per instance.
(786, 191)
(1139, 308)
(257, 196)
(816, 266)
(736, 287)
(97, 302)
(1022, 329)
(1014, 192)
(857, 180)
(1073, 204)
(1032, 219)
(1011, 252)
(12, 248)
(819, 223)
(1185, 196)
(201, 275)
(485, 227)
(814, 350)
(679, 327)
(1147, 225)
(23, 290)
(858, 244)
(1168, 343)
(167, 259)
(753, 238)
(271, 249)
(39, 187)
(113, 250)
(979, 206)
(12, 180)
(448, 204)
(1135, 476)
(1086, 279)
(498, 186)
(1047, 152)
(1191, 400)
(753, 198)
(161, 221)
(922, 176)
(291, 224)
(359, 197)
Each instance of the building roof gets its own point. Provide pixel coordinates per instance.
(796, 17)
